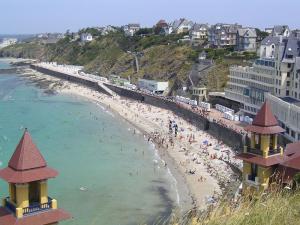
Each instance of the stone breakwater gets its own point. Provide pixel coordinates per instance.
(222, 133)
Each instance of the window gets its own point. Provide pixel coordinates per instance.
(296, 95)
(293, 133)
(296, 85)
(289, 65)
(287, 93)
(279, 91)
(288, 74)
(288, 83)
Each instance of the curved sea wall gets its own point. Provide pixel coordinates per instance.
(224, 134)
(88, 83)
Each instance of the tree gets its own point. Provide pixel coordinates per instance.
(261, 34)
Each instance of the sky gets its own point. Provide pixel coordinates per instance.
(38, 16)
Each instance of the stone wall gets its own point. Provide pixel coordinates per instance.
(226, 135)
(90, 84)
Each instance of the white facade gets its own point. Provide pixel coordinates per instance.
(152, 85)
(131, 29)
(7, 42)
(274, 76)
(86, 37)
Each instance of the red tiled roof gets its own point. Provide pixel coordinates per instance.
(42, 218)
(264, 130)
(12, 176)
(27, 164)
(259, 160)
(265, 122)
(265, 117)
(26, 156)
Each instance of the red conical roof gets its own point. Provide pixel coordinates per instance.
(26, 156)
(265, 117)
(27, 164)
(265, 122)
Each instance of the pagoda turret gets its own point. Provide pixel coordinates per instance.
(262, 155)
(27, 175)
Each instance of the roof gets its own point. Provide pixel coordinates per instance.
(252, 158)
(265, 122)
(42, 218)
(292, 153)
(26, 156)
(27, 163)
(249, 32)
(198, 27)
(279, 29)
(270, 40)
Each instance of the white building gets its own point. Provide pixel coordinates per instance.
(131, 29)
(274, 76)
(7, 42)
(153, 86)
(180, 26)
(86, 37)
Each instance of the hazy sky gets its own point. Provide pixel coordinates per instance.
(35, 16)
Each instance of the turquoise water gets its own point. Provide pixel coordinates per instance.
(91, 148)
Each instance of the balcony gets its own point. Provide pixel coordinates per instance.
(32, 208)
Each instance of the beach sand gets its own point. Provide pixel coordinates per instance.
(199, 162)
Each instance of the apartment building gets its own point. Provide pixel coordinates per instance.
(223, 35)
(275, 77)
(246, 39)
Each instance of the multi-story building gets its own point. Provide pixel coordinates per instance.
(274, 76)
(131, 29)
(180, 26)
(223, 35)
(199, 31)
(281, 30)
(246, 39)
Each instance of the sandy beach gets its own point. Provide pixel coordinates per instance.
(199, 162)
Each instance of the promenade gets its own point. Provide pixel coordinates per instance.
(213, 116)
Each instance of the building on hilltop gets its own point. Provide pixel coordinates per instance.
(161, 27)
(246, 39)
(281, 30)
(180, 26)
(223, 35)
(86, 37)
(7, 42)
(28, 202)
(198, 33)
(274, 76)
(263, 159)
(131, 29)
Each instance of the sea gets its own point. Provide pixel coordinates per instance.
(107, 174)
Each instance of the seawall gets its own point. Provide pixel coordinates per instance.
(226, 135)
(88, 83)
